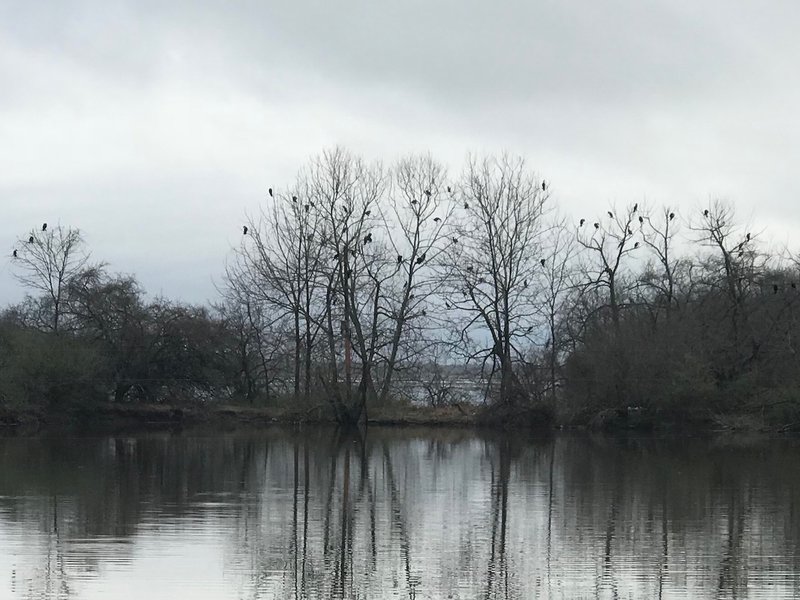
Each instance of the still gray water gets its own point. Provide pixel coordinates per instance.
(397, 514)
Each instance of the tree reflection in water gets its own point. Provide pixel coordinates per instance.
(318, 513)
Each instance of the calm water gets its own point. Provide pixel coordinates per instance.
(397, 514)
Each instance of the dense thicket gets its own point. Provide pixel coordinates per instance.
(360, 285)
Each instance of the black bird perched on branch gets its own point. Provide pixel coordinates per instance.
(610, 215)
(436, 219)
(30, 240)
(449, 190)
(543, 262)
(581, 222)
(641, 220)
(368, 238)
(544, 185)
(413, 202)
(466, 205)
(307, 207)
(294, 198)
(747, 237)
(44, 226)
(635, 207)
(455, 240)
(399, 259)
(270, 192)
(597, 225)
(244, 229)
(421, 258)
(636, 245)
(428, 193)
(671, 216)
(367, 213)
(705, 213)
(15, 254)
(470, 268)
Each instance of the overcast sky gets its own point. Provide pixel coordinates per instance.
(155, 126)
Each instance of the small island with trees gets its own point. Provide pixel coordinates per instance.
(406, 294)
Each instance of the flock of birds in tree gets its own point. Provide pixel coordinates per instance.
(368, 238)
(421, 258)
(31, 239)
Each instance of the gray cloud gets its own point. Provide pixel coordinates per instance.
(154, 126)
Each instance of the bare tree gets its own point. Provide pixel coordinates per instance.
(607, 242)
(278, 265)
(46, 261)
(493, 260)
(415, 219)
(346, 193)
(558, 284)
(658, 236)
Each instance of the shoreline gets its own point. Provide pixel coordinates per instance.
(132, 417)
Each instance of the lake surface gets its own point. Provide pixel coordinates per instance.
(398, 514)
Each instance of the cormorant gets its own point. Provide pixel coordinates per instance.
(368, 238)
(421, 258)
(597, 225)
(747, 237)
(635, 207)
(30, 240)
(610, 215)
(244, 229)
(582, 222)
(15, 256)
(367, 213)
(413, 202)
(428, 193)
(455, 240)
(449, 190)
(436, 219)
(544, 186)
(294, 198)
(399, 259)
(446, 304)
(307, 207)
(270, 192)
(705, 213)
(641, 220)
(671, 216)
(44, 226)
(543, 262)
(470, 268)
(636, 245)
(466, 205)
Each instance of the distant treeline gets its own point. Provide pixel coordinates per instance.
(361, 286)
